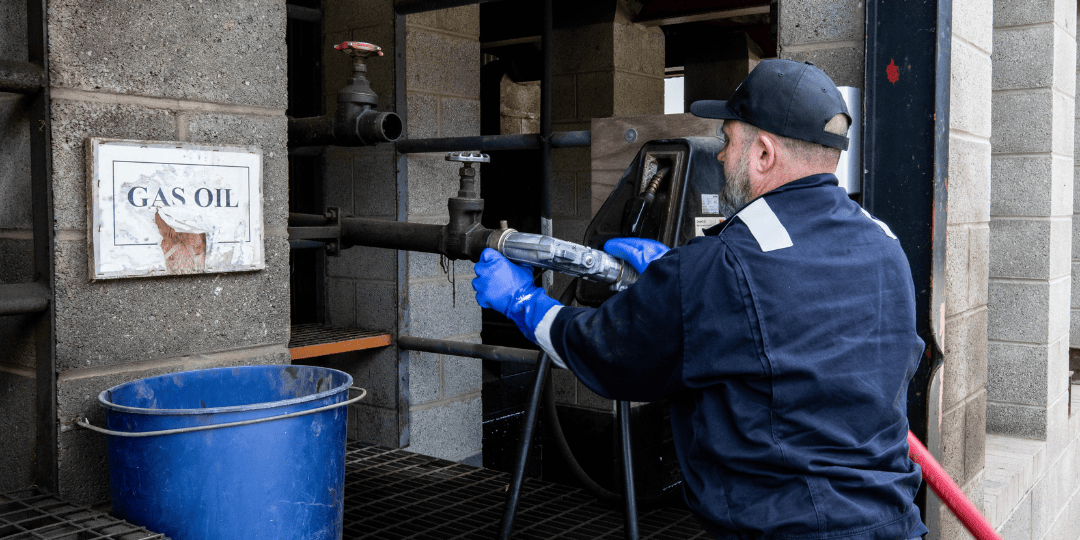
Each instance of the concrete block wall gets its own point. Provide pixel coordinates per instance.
(519, 110)
(600, 70)
(362, 284)
(429, 403)
(209, 72)
(1034, 59)
(963, 400)
(443, 77)
(829, 33)
(1032, 487)
(17, 385)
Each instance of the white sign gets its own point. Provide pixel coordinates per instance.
(702, 223)
(165, 208)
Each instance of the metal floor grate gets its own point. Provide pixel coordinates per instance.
(32, 514)
(394, 494)
(310, 340)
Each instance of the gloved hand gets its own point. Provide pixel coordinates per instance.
(639, 252)
(509, 289)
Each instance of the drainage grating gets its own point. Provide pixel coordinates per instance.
(31, 514)
(311, 340)
(394, 494)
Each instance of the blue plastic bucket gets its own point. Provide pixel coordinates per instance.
(278, 478)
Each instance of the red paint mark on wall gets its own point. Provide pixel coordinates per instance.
(892, 71)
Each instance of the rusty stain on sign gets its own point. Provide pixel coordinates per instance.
(183, 251)
(164, 208)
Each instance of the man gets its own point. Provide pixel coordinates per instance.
(785, 336)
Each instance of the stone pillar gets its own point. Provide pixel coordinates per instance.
(601, 70)
(719, 68)
(17, 386)
(1034, 72)
(362, 285)
(210, 72)
(829, 33)
(443, 74)
(963, 402)
(1030, 227)
(429, 403)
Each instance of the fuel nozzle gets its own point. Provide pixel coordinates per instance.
(561, 256)
(637, 209)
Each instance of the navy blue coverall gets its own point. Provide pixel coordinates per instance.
(786, 339)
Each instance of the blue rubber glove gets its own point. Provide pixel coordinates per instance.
(639, 252)
(509, 289)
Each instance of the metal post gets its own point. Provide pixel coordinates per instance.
(547, 49)
(46, 474)
(506, 527)
(630, 530)
(905, 156)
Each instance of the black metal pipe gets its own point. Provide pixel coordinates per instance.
(363, 128)
(428, 238)
(301, 13)
(630, 528)
(547, 49)
(393, 235)
(513, 494)
(46, 474)
(307, 220)
(21, 298)
(306, 244)
(20, 77)
(407, 7)
(488, 143)
(571, 139)
(471, 350)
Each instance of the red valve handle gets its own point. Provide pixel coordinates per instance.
(360, 49)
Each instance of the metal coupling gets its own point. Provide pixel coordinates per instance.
(564, 257)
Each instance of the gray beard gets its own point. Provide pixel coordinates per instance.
(736, 191)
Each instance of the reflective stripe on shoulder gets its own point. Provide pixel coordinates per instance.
(765, 226)
(880, 223)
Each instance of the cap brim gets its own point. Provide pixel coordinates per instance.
(712, 109)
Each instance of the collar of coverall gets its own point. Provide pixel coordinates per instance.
(813, 180)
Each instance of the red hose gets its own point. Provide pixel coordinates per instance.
(949, 492)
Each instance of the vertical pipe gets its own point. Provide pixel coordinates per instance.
(513, 494)
(630, 528)
(46, 473)
(401, 100)
(545, 128)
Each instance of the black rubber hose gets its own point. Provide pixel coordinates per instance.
(552, 417)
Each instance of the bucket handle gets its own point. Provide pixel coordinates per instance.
(85, 422)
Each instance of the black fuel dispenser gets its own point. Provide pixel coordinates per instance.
(669, 193)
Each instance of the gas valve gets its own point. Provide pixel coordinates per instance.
(465, 234)
(356, 122)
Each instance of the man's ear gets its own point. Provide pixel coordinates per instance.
(765, 152)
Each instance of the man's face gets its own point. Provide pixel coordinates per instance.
(735, 159)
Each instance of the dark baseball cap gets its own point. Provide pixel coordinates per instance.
(786, 98)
